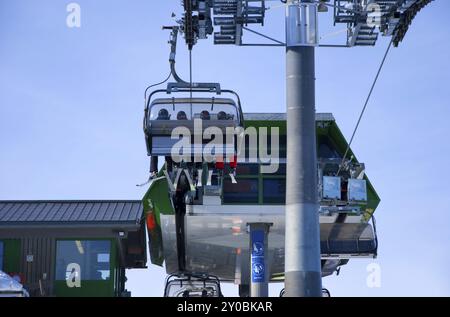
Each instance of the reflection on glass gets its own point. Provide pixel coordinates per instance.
(182, 111)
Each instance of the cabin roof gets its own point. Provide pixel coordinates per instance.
(70, 212)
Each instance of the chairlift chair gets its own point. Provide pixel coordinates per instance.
(164, 116)
(192, 285)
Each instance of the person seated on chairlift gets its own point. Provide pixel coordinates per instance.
(181, 115)
(222, 115)
(204, 115)
(163, 114)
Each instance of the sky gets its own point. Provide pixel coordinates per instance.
(71, 108)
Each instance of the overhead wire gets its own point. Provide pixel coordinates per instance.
(365, 106)
(190, 78)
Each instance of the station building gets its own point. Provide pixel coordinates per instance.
(72, 248)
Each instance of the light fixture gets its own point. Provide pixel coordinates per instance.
(79, 247)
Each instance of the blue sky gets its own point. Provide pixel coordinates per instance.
(71, 106)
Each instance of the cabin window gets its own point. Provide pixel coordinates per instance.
(245, 191)
(92, 257)
(247, 169)
(2, 252)
(281, 171)
(274, 191)
(254, 187)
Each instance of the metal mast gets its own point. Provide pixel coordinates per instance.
(302, 252)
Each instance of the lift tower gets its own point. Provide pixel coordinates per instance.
(302, 247)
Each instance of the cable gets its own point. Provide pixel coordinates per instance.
(145, 95)
(190, 72)
(190, 80)
(365, 106)
(151, 86)
(265, 36)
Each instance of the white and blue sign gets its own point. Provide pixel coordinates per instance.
(257, 254)
(258, 249)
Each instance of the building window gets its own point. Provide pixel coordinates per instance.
(274, 191)
(2, 255)
(245, 191)
(93, 258)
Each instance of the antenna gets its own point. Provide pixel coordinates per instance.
(365, 21)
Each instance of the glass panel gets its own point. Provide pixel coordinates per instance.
(244, 192)
(357, 190)
(204, 111)
(214, 112)
(247, 169)
(2, 248)
(93, 257)
(170, 112)
(280, 172)
(274, 191)
(331, 187)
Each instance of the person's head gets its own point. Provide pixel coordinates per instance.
(204, 115)
(163, 114)
(222, 115)
(181, 115)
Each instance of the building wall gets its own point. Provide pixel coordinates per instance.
(37, 262)
(34, 260)
(31, 253)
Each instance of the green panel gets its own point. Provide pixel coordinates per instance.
(87, 289)
(12, 256)
(267, 124)
(157, 200)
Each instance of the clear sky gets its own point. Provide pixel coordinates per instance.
(71, 107)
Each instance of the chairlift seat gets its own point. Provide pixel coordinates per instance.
(191, 285)
(348, 239)
(184, 114)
